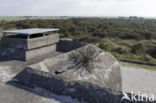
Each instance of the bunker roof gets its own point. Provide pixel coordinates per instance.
(31, 31)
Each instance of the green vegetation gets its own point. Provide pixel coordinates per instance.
(16, 18)
(142, 50)
(138, 66)
(132, 39)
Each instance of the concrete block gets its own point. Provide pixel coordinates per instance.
(40, 51)
(21, 54)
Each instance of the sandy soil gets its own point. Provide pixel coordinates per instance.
(139, 80)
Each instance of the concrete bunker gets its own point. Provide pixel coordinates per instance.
(26, 44)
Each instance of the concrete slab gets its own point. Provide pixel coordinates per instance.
(12, 94)
(15, 94)
(106, 74)
(10, 68)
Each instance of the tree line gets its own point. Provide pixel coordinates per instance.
(125, 38)
(96, 27)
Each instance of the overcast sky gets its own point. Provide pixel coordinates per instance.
(145, 8)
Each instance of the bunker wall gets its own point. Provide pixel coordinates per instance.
(42, 41)
(40, 51)
(14, 43)
(83, 91)
(27, 44)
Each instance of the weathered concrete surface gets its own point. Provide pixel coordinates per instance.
(20, 54)
(15, 94)
(83, 91)
(27, 44)
(26, 49)
(76, 89)
(13, 53)
(23, 94)
(40, 51)
(16, 52)
(43, 41)
(107, 74)
(14, 42)
(12, 94)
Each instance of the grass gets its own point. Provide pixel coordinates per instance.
(138, 66)
(11, 18)
(125, 49)
(122, 49)
(23, 18)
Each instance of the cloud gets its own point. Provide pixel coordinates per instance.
(77, 7)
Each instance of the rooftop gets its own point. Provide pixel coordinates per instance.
(31, 31)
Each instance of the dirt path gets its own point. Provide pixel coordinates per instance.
(139, 80)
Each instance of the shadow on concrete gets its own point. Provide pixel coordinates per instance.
(66, 45)
(43, 93)
(24, 77)
(61, 47)
(32, 81)
(3, 59)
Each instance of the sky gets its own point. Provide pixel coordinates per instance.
(141, 8)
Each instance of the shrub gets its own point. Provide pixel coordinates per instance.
(152, 52)
(147, 57)
(105, 46)
(88, 39)
(121, 50)
(138, 49)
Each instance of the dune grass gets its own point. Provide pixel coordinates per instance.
(138, 66)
